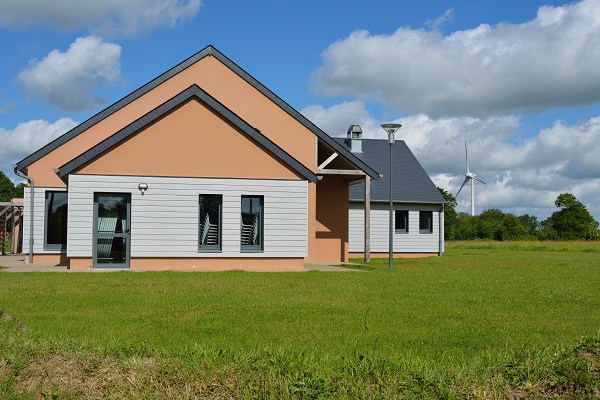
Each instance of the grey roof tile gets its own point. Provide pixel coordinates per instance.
(410, 181)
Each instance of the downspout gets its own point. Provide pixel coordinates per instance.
(441, 228)
(31, 191)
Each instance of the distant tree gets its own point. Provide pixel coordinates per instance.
(20, 190)
(512, 228)
(547, 232)
(530, 222)
(466, 226)
(489, 223)
(573, 221)
(8, 191)
(450, 216)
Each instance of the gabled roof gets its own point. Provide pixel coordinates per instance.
(411, 184)
(207, 51)
(158, 112)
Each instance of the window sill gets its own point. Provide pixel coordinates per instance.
(252, 251)
(201, 251)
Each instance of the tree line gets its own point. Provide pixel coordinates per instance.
(8, 190)
(571, 222)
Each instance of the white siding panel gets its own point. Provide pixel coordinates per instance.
(164, 221)
(39, 218)
(410, 242)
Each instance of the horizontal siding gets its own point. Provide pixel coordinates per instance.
(403, 242)
(39, 218)
(164, 221)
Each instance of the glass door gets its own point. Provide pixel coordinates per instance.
(111, 229)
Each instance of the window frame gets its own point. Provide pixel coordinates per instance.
(399, 215)
(211, 248)
(429, 216)
(55, 246)
(253, 248)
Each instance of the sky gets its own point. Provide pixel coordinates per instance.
(518, 80)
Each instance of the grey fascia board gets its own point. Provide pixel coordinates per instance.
(207, 51)
(30, 159)
(169, 105)
(299, 117)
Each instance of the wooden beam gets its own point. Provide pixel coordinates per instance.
(340, 172)
(326, 162)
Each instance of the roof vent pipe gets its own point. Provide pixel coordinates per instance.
(354, 138)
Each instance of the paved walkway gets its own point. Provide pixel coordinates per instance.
(18, 263)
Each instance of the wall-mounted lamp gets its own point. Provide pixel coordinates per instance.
(143, 187)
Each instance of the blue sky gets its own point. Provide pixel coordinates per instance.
(518, 80)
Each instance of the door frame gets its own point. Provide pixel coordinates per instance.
(126, 234)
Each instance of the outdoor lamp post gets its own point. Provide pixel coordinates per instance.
(391, 129)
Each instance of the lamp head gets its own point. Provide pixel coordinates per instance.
(391, 129)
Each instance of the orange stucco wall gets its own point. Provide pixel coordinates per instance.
(221, 83)
(190, 141)
(331, 225)
(202, 264)
(56, 259)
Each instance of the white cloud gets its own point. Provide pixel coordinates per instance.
(27, 137)
(549, 61)
(66, 80)
(334, 120)
(106, 17)
(522, 176)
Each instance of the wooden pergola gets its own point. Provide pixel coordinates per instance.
(350, 173)
(11, 211)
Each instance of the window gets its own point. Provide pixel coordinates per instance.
(401, 221)
(252, 223)
(210, 222)
(425, 221)
(55, 235)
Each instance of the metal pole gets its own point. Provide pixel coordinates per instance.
(391, 129)
(31, 191)
(391, 255)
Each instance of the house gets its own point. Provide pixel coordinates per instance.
(201, 168)
(418, 206)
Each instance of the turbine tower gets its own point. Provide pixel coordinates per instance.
(470, 176)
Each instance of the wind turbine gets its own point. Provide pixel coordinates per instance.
(470, 176)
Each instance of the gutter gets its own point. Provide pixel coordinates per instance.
(31, 190)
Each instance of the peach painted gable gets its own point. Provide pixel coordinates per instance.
(220, 82)
(191, 140)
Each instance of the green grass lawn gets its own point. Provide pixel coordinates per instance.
(479, 305)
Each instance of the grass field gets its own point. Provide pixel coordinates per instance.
(487, 320)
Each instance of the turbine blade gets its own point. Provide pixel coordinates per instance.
(478, 179)
(467, 156)
(463, 185)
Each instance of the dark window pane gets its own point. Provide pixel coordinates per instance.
(401, 221)
(56, 219)
(210, 221)
(112, 213)
(251, 229)
(426, 221)
(111, 250)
